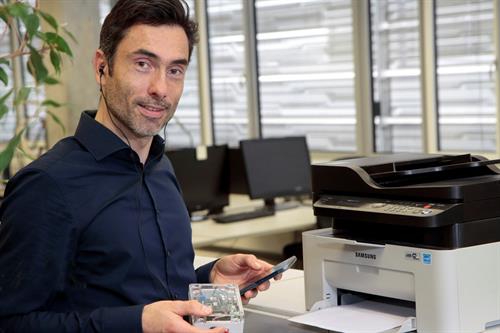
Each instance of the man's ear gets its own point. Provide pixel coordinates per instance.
(100, 64)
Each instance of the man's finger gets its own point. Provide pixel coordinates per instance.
(251, 293)
(193, 307)
(263, 286)
(248, 260)
(183, 308)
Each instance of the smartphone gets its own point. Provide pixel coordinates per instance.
(279, 268)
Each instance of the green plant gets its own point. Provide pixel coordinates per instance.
(32, 47)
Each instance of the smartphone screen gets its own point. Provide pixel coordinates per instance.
(279, 268)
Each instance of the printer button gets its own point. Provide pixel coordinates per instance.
(379, 205)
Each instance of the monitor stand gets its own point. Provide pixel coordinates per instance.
(267, 210)
(287, 204)
(205, 214)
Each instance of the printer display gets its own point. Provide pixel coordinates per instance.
(417, 230)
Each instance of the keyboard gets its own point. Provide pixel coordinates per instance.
(242, 216)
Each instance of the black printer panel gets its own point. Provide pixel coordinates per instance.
(387, 211)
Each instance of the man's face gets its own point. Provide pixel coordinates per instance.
(147, 78)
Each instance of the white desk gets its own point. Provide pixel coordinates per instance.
(295, 219)
(285, 297)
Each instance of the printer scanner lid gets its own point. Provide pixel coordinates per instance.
(446, 178)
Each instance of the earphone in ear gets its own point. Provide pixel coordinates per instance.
(101, 73)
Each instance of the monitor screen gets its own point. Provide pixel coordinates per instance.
(277, 167)
(204, 181)
(238, 177)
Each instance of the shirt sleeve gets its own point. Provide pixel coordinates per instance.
(37, 238)
(203, 272)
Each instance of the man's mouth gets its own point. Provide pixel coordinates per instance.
(152, 111)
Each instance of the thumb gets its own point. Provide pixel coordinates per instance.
(193, 307)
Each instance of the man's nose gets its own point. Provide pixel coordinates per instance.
(158, 87)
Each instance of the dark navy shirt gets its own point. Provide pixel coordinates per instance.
(89, 235)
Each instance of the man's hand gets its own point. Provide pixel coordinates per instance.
(240, 269)
(166, 317)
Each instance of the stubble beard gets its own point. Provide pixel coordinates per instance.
(121, 110)
(131, 120)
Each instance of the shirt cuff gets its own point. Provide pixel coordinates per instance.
(203, 272)
(123, 319)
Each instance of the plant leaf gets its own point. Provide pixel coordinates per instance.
(4, 61)
(4, 97)
(4, 14)
(55, 59)
(38, 69)
(56, 120)
(18, 9)
(52, 103)
(70, 35)
(42, 35)
(59, 43)
(51, 80)
(63, 46)
(32, 23)
(7, 154)
(3, 110)
(49, 19)
(22, 96)
(4, 77)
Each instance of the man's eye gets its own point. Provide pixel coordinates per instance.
(142, 65)
(176, 72)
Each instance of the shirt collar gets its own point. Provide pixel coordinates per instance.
(102, 142)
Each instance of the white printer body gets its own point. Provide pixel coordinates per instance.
(428, 238)
(453, 290)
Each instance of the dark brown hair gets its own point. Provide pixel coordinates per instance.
(126, 13)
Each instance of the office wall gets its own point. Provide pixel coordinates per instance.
(78, 90)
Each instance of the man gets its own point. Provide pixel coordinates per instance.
(95, 236)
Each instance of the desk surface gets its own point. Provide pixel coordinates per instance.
(285, 297)
(295, 219)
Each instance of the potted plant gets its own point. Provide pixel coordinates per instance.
(38, 52)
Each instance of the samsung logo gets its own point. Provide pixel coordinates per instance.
(365, 255)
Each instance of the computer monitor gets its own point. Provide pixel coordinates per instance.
(266, 169)
(277, 167)
(204, 181)
(238, 182)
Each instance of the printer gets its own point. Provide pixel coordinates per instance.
(416, 230)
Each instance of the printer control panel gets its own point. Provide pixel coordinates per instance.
(384, 206)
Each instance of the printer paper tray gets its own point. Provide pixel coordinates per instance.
(354, 242)
(347, 241)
